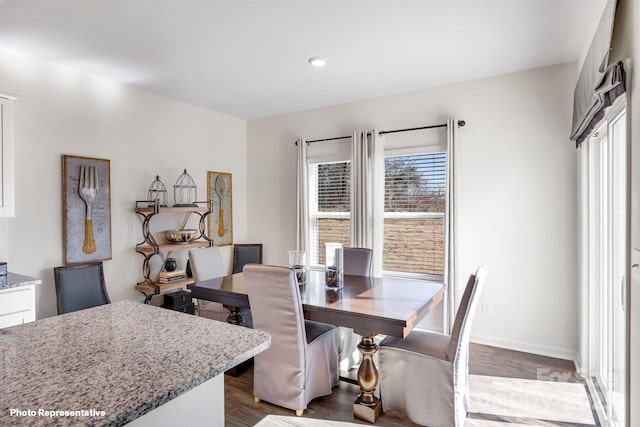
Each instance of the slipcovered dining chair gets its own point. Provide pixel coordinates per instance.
(302, 362)
(426, 374)
(246, 253)
(79, 287)
(356, 262)
(206, 263)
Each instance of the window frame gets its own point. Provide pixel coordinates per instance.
(405, 152)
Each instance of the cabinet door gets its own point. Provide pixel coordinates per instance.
(17, 300)
(6, 158)
(12, 319)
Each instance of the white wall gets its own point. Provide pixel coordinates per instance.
(60, 111)
(517, 183)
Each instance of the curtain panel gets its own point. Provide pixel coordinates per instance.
(450, 257)
(367, 194)
(302, 201)
(599, 84)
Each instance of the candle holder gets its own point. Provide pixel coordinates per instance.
(298, 261)
(333, 266)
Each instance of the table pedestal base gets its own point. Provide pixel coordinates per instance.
(367, 406)
(368, 412)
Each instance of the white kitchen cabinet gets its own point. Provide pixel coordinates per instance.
(17, 306)
(17, 299)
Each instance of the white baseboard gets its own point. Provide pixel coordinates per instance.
(559, 353)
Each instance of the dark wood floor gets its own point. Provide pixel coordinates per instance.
(240, 409)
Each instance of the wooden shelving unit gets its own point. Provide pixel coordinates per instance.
(149, 247)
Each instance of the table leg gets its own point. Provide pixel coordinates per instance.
(367, 406)
(234, 317)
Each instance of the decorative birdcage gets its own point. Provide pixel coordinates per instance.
(185, 192)
(157, 191)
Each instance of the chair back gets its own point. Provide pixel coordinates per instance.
(276, 308)
(461, 332)
(357, 261)
(206, 263)
(246, 253)
(79, 287)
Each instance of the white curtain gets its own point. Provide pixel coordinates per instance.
(367, 194)
(450, 228)
(302, 201)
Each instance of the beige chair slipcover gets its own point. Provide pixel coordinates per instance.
(357, 262)
(426, 374)
(206, 263)
(302, 362)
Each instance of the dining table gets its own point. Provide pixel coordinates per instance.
(385, 305)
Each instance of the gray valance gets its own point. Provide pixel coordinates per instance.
(599, 83)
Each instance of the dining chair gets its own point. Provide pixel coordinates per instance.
(206, 263)
(302, 362)
(246, 253)
(80, 286)
(425, 375)
(356, 262)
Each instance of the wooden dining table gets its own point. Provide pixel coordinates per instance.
(369, 305)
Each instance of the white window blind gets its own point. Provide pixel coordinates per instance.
(415, 200)
(329, 207)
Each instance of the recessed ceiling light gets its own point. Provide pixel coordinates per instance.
(318, 61)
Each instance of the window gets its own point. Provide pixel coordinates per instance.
(415, 200)
(414, 210)
(329, 207)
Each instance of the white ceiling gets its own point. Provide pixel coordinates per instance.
(249, 58)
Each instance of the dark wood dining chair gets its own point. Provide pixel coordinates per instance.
(246, 253)
(79, 287)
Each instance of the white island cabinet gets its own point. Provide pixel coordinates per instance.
(17, 299)
(120, 363)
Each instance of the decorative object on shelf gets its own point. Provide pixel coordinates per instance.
(170, 264)
(220, 222)
(185, 192)
(333, 265)
(86, 204)
(298, 261)
(157, 191)
(171, 276)
(188, 271)
(181, 236)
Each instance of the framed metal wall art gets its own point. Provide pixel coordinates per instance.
(86, 209)
(221, 219)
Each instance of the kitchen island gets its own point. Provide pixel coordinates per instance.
(118, 363)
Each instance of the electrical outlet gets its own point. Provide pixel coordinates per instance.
(487, 308)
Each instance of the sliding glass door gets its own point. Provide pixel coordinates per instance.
(605, 190)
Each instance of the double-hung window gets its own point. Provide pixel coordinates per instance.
(414, 210)
(329, 206)
(414, 214)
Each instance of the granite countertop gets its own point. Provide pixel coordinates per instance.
(124, 358)
(13, 280)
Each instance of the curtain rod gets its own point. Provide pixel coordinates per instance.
(460, 123)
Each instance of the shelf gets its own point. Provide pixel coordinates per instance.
(164, 287)
(149, 209)
(173, 246)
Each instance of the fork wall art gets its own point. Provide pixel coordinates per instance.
(220, 219)
(86, 209)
